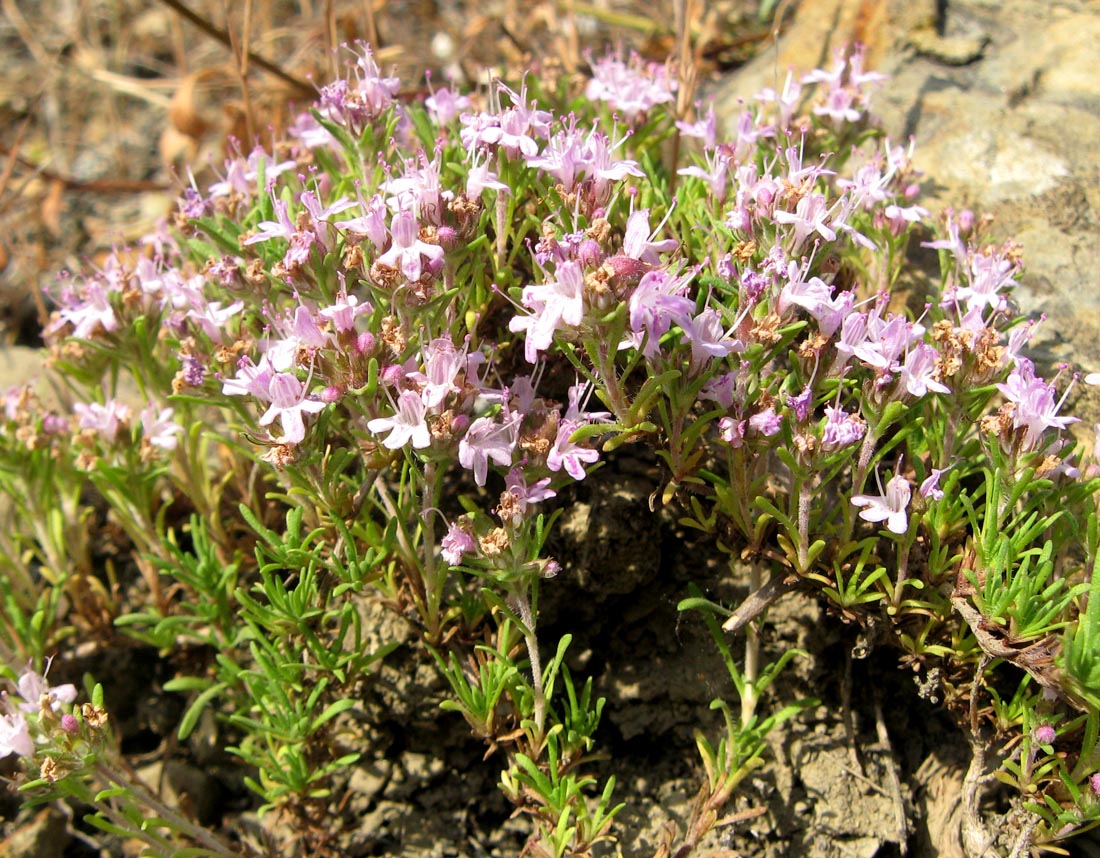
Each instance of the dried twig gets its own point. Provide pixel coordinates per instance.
(13, 155)
(846, 713)
(41, 56)
(107, 186)
(976, 837)
(242, 55)
(220, 35)
(130, 86)
(758, 602)
(901, 820)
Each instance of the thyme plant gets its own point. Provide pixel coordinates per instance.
(362, 365)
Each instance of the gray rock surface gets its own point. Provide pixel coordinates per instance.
(1003, 100)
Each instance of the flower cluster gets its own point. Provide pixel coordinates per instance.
(447, 313)
(43, 704)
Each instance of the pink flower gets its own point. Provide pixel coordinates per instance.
(344, 311)
(786, 101)
(484, 440)
(87, 311)
(300, 333)
(814, 294)
(251, 379)
(707, 337)
(918, 373)
(514, 129)
(371, 223)
(419, 189)
(211, 316)
(654, 305)
(810, 215)
(15, 736)
(456, 543)
(705, 129)
(841, 428)
(550, 304)
(720, 389)
(407, 249)
(890, 507)
(516, 485)
(105, 419)
(241, 174)
(568, 455)
(603, 169)
(1036, 408)
(715, 174)
(33, 687)
(638, 241)
(282, 227)
(480, 178)
(732, 431)
(442, 364)
(930, 488)
(288, 399)
(766, 422)
(362, 96)
(801, 404)
(157, 427)
(407, 424)
(630, 88)
(444, 105)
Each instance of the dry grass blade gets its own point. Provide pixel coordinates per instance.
(240, 48)
(107, 186)
(226, 39)
(15, 17)
(132, 87)
(13, 156)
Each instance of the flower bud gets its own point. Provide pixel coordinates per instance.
(364, 344)
(392, 375)
(589, 253)
(448, 237)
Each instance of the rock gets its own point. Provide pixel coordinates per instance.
(1001, 99)
(184, 786)
(45, 835)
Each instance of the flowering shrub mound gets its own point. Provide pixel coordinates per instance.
(348, 355)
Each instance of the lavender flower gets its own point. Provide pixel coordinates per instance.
(104, 419)
(406, 425)
(889, 507)
(484, 440)
(15, 736)
(158, 428)
(551, 304)
(289, 402)
(407, 250)
(1035, 407)
(631, 88)
(37, 692)
(930, 487)
(457, 542)
(841, 428)
(568, 455)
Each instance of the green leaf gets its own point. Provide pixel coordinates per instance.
(194, 711)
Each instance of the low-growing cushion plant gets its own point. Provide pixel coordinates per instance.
(363, 364)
